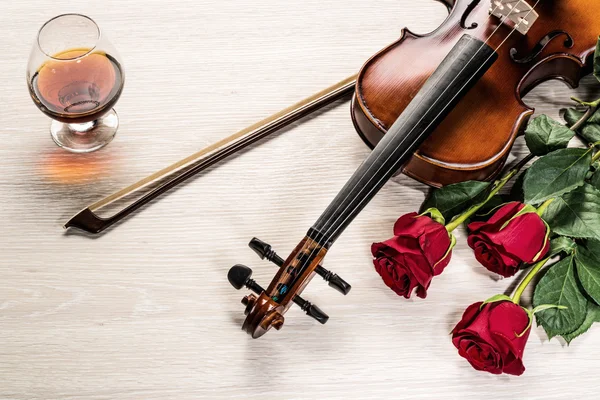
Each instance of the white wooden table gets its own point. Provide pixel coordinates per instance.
(145, 311)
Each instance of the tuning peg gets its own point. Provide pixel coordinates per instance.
(334, 280)
(311, 310)
(240, 276)
(265, 251)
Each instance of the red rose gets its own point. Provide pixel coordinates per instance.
(493, 337)
(515, 234)
(420, 250)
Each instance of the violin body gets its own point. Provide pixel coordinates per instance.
(474, 140)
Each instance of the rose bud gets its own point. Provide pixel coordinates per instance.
(492, 337)
(420, 250)
(515, 234)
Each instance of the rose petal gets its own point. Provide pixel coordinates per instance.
(515, 367)
(410, 225)
(508, 320)
(435, 244)
(492, 257)
(524, 237)
(441, 265)
(419, 267)
(468, 316)
(396, 277)
(487, 256)
(395, 246)
(488, 337)
(499, 218)
(480, 355)
(420, 243)
(479, 326)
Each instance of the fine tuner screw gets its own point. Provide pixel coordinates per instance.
(265, 251)
(240, 276)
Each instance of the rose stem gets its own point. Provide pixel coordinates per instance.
(596, 156)
(527, 280)
(591, 110)
(498, 185)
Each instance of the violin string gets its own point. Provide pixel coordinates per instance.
(395, 165)
(324, 236)
(305, 245)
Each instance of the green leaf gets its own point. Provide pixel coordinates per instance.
(576, 214)
(559, 287)
(562, 244)
(593, 246)
(592, 315)
(544, 135)
(597, 61)
(452, 200)
(595, 180)
(590, 131)
(555, 174)
(588, 271)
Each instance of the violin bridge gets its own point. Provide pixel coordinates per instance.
(515, 13)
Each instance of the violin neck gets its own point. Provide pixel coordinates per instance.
(460, 70)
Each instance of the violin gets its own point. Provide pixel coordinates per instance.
(443, 108)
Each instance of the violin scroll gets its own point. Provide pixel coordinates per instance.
(265, 309)
(262, 314)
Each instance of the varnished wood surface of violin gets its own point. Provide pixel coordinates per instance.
(473, 142)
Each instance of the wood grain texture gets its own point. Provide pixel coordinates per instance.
(145, 311)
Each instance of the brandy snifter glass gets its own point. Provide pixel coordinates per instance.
(75, 76)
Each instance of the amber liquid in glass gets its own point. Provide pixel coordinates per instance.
(77, 90)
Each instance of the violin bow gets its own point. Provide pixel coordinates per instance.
(87, 219)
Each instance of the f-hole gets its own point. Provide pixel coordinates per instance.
(468, 11)
(540, 46)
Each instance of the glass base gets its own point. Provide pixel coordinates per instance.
(86, 137)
